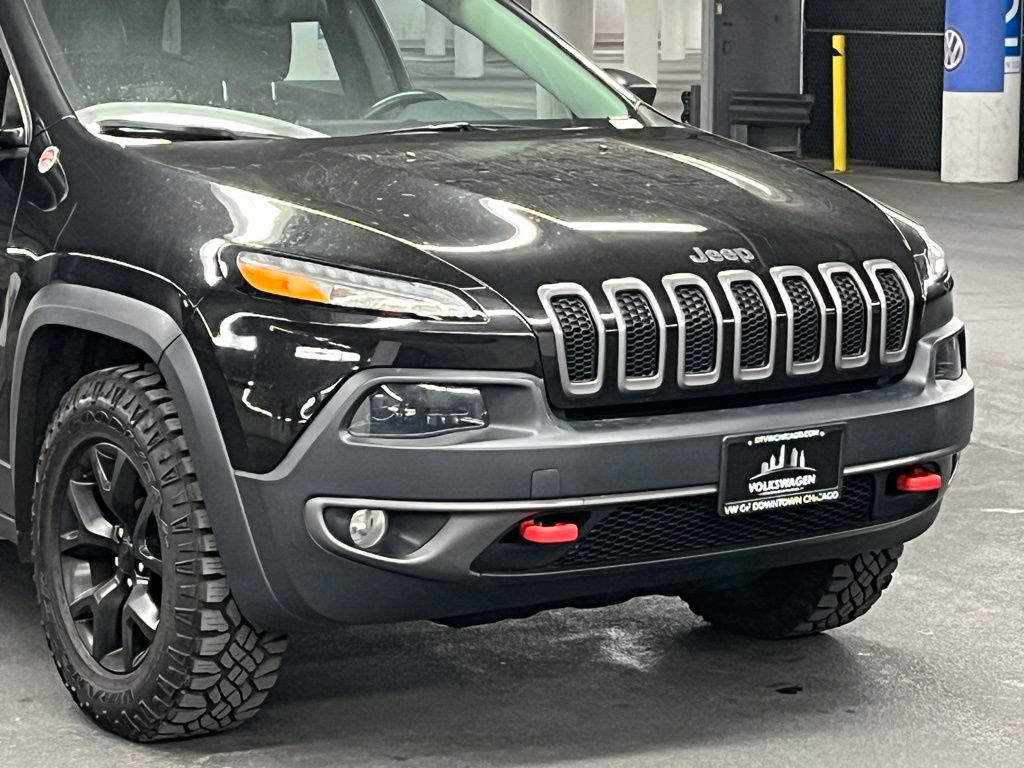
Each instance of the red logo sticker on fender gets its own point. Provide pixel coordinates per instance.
(49, 158)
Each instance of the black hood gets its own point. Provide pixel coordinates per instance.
(515, 211)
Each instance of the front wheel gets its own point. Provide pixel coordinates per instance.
(801, 599)
(135, 605)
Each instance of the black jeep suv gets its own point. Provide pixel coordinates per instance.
(302, 326)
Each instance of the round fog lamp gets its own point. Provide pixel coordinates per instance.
(367, 527)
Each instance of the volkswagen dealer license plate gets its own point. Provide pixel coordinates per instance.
(781, 470)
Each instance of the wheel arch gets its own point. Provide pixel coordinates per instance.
(154, 336)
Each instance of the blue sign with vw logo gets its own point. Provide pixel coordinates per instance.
(1013, 29)
(976, 42)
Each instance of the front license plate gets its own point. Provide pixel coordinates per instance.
(781, 470)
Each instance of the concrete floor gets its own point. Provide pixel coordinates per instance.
(934, 676)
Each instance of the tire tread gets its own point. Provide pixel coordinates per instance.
(217, 668)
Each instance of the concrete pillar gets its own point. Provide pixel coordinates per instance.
(572, 19)
(673, 29)
(469, 55)
(981, 99)
(694, 19)
(641, 38)
(435, 42)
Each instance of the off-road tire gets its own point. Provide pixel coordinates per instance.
(207, 669)
(800, 600)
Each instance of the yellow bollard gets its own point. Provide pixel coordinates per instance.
(839, 146)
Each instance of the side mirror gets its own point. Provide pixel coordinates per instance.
(642, 89)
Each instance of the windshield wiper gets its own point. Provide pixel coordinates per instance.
(466, 127)
(136, 129)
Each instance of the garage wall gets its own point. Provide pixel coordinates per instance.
(894, 58)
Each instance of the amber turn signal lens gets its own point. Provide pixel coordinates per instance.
(281, 283)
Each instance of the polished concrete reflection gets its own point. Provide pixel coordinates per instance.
(933, 676)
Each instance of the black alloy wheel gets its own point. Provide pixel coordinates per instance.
(110, 557)
(138, 613)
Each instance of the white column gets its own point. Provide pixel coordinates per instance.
(981, 99)
(694, 20)
(641, 38)
(572, 19)
(673, 29)
(435, 41)
(469, 55)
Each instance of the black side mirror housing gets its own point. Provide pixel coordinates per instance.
(643, 89)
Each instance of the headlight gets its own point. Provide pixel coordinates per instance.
(932, 263)
(419, 410)
(306, 281)
(935, 267)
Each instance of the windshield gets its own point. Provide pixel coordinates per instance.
(307, 68)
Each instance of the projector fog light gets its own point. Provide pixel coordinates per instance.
(419, 410)
(368, 527)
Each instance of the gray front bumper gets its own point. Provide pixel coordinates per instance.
(528, 460)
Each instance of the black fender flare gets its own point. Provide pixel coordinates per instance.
(158, 336)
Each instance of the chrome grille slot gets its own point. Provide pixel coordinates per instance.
(700, 330)
(641, 335)
(896, 306)
(853, 315)
(755, 335)
(641, 328)
(579, 337)
(805, 320)
(897, 300)
(754, 321)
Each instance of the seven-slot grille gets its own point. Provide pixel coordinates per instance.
(754, 328)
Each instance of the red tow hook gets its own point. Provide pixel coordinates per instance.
(919, 480)
(559, 533)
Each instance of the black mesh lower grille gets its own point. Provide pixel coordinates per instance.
(643, 337)
(855, 315)
(675, 527)
(580, 337)
(896, 305)
(806, 320)
(701, 333)
(755, 321)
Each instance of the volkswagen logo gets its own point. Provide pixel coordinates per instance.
(956, 48)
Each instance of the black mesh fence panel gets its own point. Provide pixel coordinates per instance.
(894, 79)
(874, 15)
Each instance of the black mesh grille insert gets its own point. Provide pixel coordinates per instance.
(701, 338)
(855, 315)
(806, 320)
(755, 344)
(897, 306)
(580, 337)
(642, 335)
(674, 527)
